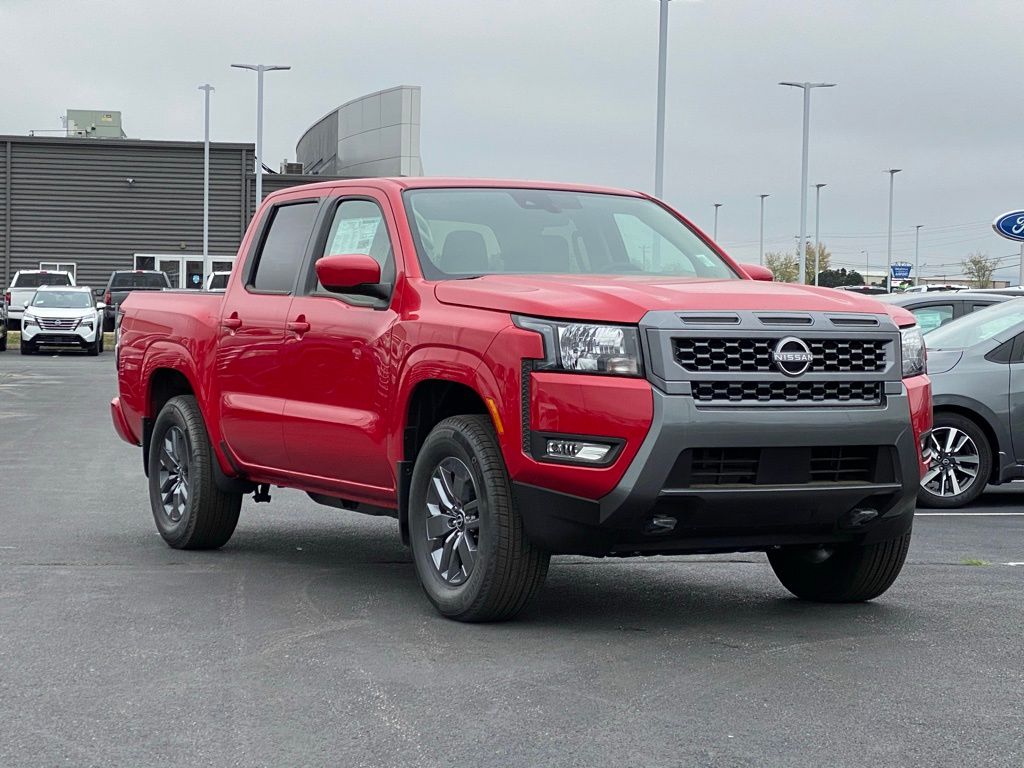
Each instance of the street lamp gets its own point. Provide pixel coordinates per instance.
(714, 235)
(888, 267)
(803, 168)
(259, 69)
(917, 254)
(207, 88)
(659, 142)
(760, 258)
(867, 267)
(817, 224)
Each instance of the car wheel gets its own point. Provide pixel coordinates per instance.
(27, 348)
(3, 341)
(94, 348)
(190, 511)
(847, 573)
(102, 341)
(471, 555)
(960, 463)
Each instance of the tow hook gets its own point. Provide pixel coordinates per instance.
(262, 493)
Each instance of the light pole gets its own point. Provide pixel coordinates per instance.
(760, 258)
(917, 254)
(817, 230)
(714, 235)
(867, 267)
(803, 168)
(207, 88)
(259, 69)
(659, 142)
(888, 249)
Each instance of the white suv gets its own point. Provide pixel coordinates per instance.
(62, 316)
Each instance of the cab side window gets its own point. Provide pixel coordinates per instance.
(359, 227)
(283, 248)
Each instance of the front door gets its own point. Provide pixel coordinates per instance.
(336, 415)
(251, 375)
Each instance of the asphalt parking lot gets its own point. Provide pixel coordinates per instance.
(307, 641)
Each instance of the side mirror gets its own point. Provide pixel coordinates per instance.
(350, 273)
(97, 292)
(757, 272)
(100, 305)
(25, 305)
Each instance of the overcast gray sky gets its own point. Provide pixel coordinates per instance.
(566, 91)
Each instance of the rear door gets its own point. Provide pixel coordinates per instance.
(339, 347)
(251, 375)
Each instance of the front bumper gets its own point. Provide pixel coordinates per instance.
(81, 336)
(651, 512)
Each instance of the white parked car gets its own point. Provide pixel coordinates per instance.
(24, 285)
(217, 282)
(62, 316)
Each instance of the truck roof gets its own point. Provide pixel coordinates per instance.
(442, 182)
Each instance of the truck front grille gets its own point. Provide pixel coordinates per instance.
(830, 464)
(788, 392)
(720, 354)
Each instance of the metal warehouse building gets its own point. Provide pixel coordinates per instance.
(93, 205)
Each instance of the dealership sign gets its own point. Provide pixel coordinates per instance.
(901, 271)
(1010, 225)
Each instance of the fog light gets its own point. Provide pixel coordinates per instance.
(577, 450)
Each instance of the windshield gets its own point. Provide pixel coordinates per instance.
(471, 232)
(36, 279)
(62, 299)
(977, 327)
(139, 280)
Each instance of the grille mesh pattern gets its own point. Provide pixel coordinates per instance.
(754, 355)
(854, 392)
(58, 323)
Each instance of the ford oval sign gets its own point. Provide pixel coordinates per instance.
(1010, 225)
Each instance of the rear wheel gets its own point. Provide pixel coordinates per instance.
(190, 511)
(960, 463)
(471, 555)
(848, 573)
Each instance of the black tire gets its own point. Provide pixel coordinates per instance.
(944, 424)
(209, 515)
(102, 343)
(508, 570)
(849, 573)
(3, 342)
(26, 348)
(94, 348)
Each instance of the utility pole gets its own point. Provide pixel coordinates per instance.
(803, 168)
(760, 259)
(888, 267)
(207, 89)
(259, 69)
(917, 253)
(659, 142)
(817, 224)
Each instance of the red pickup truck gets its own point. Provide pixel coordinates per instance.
(515, 370)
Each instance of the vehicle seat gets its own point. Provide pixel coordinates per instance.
(464, 252)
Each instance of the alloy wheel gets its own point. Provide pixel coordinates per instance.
(175, 461)
(453, 520)
(953, 463)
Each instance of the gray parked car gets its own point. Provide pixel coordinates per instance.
(935, 309)
(977, 369)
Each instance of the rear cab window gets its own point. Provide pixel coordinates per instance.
(139, 280)
(283, 248)
(36, 279)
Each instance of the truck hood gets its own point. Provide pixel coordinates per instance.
(626, 299)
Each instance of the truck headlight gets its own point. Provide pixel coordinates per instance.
(612, 350)
(86, 322)
(27, 320)
(915, 357)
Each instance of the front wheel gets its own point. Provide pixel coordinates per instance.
(846, 573)
(190, 511)
(471, 555)
(27, 348)
(959, 465)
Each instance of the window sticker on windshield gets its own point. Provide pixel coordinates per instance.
(355, 235)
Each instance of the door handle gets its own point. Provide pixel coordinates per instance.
(231, 323)
(298, 326)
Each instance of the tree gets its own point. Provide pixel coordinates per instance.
(979, 269)
(833, 278)
(784, 266)
(824, 260)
